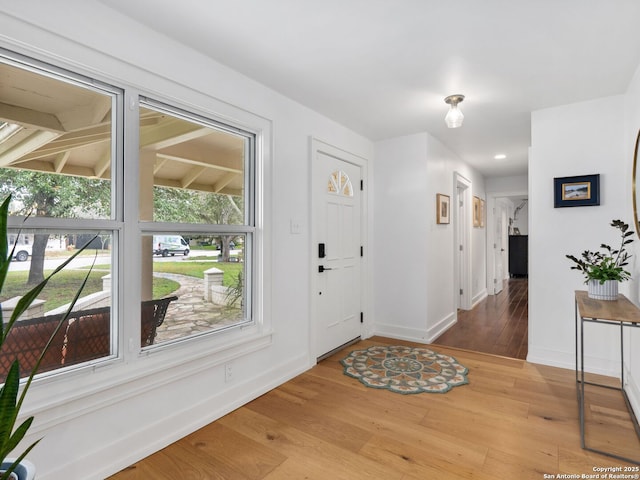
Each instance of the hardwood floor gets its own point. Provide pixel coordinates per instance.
(514, 420)
(497, 325)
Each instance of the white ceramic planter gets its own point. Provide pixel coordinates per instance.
(606, 291)
(25, 471)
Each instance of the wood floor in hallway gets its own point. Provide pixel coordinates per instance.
(514, 420)
(497, 325)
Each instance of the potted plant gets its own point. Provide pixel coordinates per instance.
(605, 268)
(11, 399)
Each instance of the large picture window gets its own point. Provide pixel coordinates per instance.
(56, 161)
(62, 144)
(197, 219)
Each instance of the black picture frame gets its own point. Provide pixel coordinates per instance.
(578, 191)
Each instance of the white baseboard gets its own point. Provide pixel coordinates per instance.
(479, 297)
(633, 392)
(401, 333)
(136, 445)
(567, 360)
(414, 334)
(442, 326)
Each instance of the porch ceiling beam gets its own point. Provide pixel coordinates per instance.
(169, 133)
(31, 118)
(103, 164)
(192, 176)
(48, 167)
(62, 145)
(60, 161)
(198, 162)
(26, 146)
(223, 182)
(160, 162)
(163, 182)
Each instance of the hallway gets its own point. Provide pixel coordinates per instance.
(498, 325)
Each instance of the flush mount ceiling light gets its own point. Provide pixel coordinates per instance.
(454, 116)
(500, 156)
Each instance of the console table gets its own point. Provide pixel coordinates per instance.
(618, 313)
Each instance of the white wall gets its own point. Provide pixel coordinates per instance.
(521, 220)
(413, 272)
(632, 122)
(578, 139)
(506, 186)
(152, 402)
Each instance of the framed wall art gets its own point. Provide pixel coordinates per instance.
(579, 191)
(477, 211)
(443, 208)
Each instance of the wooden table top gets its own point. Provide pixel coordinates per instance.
(620, 310)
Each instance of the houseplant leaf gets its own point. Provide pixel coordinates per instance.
(10, 402)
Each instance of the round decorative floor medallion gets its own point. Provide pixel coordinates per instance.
(405, 369)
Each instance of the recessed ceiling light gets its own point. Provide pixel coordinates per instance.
(500, 156)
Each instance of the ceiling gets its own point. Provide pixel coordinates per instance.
(383, 67)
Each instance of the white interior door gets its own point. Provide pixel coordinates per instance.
(463, 242)
(337, 221)
(461, 218)
(499, 250)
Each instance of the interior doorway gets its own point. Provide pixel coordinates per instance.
(462, 239)
(498, 325)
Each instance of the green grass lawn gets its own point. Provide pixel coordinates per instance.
(63, 285)
(197, 268)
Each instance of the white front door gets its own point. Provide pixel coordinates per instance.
(337, 250)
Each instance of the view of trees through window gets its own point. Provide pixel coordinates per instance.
(58, 161)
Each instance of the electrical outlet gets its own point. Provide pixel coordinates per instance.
(228, 371)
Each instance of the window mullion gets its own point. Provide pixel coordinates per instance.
(129, 244)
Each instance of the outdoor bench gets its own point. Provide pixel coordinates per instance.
(84, 335)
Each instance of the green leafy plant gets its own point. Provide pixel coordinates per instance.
(234, 292)
(608, 263)
(11, 399)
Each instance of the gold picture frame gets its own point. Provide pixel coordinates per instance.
(478, 212)
(443, 208)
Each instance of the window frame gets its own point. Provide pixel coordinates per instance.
(124, 226)
(114, 224)
(248, 228)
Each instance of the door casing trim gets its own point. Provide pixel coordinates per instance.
(366, 282)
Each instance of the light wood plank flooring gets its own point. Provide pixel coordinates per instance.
(514, 420)
(497, 325)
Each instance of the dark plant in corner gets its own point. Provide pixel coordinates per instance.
(608, 263)
(10, 402)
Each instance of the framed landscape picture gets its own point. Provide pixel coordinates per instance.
(443, 208)
(579, 191)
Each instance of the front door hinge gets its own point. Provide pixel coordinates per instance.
(361, 317)
(361, 185)
(361, 251)
(461, 291)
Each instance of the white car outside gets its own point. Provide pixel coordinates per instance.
(22, 252)
(166, 245)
